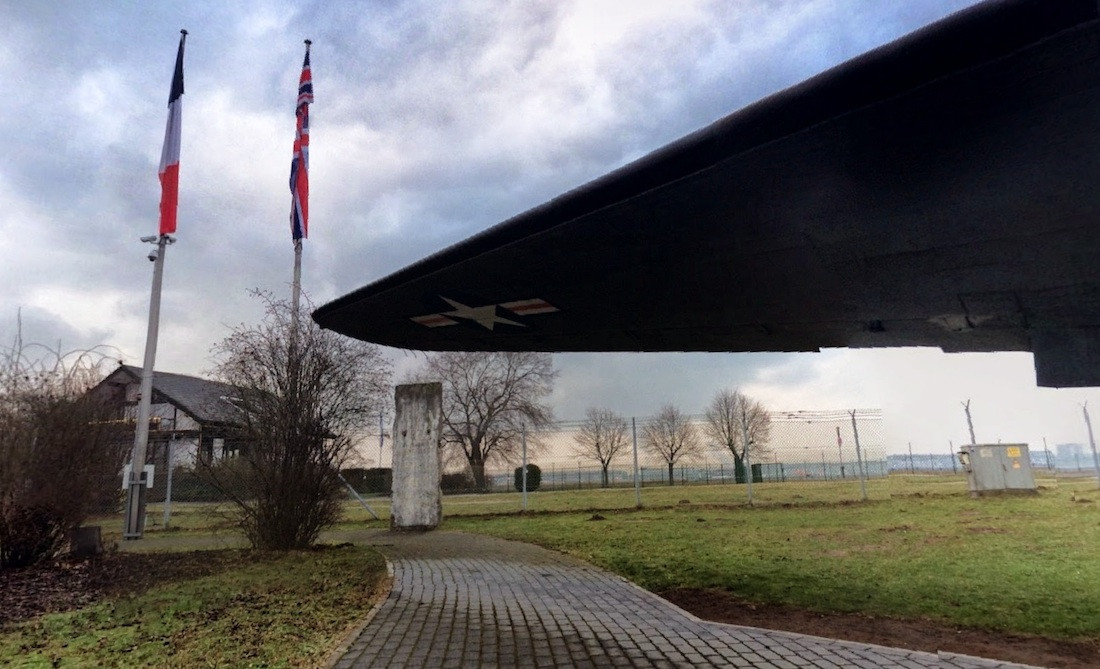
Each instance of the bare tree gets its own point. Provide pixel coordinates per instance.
(303, 393)
(487, 399)
(61, 448)
(671, 435)
(601, 437)
(727, 416)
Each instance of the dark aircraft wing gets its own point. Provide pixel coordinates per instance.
(943, 190)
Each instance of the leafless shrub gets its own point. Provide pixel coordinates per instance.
(303, 393)
(61, 448)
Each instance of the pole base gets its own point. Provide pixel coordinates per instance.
(134, 527)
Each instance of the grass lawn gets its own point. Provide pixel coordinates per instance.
(255, 610)
(920, 548)
(1009, 564)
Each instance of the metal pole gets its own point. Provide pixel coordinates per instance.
(381, 437)
(911, 470)
(859, 459)
(296, 288)
(824, 471)
(637, 478)
(969, 422)
(523, 436)
(839, 451)
(745, 440)
(1092, 443)
(358, 497)
(168, 485)
(134, 527)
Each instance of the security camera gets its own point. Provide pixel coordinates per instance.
(149, 239)
(153, 255)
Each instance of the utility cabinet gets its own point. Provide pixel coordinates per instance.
(997, 467)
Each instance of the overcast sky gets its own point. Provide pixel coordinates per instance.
(432, 122)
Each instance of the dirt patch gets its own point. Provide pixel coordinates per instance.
(70, 584)
(923, 635)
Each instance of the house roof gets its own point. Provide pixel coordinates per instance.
(204, 400)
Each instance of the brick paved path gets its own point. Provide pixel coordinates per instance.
(462, 600)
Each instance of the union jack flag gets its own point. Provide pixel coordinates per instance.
(299, 165)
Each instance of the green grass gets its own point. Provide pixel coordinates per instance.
(275, 610)
(920, 548)
(206, 518)
(1013, 564)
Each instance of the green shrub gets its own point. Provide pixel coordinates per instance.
(534, 478)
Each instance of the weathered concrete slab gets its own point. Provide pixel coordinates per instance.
(417, 499)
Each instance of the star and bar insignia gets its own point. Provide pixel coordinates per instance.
(487, 316)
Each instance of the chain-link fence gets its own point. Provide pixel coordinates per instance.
(802, 456)
(800, 446)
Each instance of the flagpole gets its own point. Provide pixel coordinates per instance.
(168, 173)
(299, 213)
(296, 292)
(135, 492)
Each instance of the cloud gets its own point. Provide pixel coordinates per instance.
(432, 122)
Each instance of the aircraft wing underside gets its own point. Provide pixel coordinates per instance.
(942, 190)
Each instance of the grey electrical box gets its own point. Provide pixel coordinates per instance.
(997, 467)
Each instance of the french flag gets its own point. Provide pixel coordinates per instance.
(170, 155)
(299, 165)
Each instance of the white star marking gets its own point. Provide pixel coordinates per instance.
(485, 316)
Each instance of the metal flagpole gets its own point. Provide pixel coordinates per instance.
(299, 184)
(135, 491)
(296, 293)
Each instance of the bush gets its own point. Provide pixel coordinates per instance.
(303, 394)
(61, 449)
(28, 534)
(534, 478)
(457, 482)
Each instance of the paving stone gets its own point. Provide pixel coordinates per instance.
(462, 600)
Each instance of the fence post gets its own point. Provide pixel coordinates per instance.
(523, 437)
(168, 485)
(859, 458)
(748, 459)
(1092, 443)
(637, 478)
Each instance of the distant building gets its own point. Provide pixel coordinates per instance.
(197, 416)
